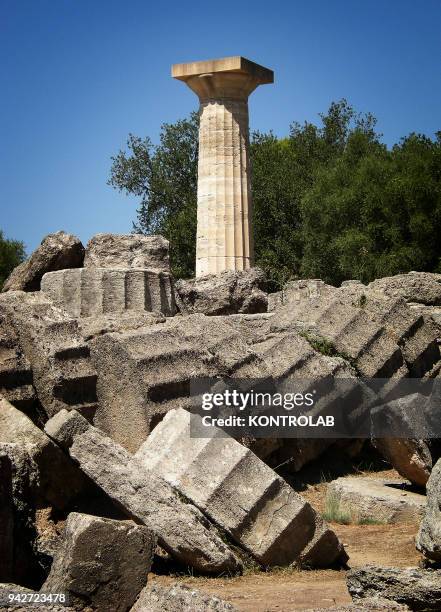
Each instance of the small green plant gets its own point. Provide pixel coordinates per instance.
(325, 347)
(250, 565)
(320, 344)
(368, 520)
(333, 511)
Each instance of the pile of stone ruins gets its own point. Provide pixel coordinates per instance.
(100, 479)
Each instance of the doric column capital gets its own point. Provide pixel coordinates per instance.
(230, 78)
(222, 86)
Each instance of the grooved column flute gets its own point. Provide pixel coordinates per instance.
(224, 230)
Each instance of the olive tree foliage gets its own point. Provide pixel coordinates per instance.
(164, 178)
(12, 253)
(283, 173)
(374, 212)
(330, 200)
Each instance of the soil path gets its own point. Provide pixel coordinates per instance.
(289, 590)
(284, 591)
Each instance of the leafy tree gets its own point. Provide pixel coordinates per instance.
(12, 253)
(330, 201)
(374, 212)
(283, 172)
(165, 179)
(276, 191)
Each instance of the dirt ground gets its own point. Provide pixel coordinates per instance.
(283, 591)
(293, 589)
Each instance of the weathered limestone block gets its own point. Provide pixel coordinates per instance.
(225, 293)
(178, 598)
(145, 373)
(324, 549)
(224, 232)
(370, 604)
(250, 326)
(417, 588)
(63, 375)
(6, 520)
(410, 417)
(383, 337)
(418, 287)
(57, 480)
(15, 370)
(130, 320)
(294, 291)
(386, 501)
(429, 536)
(181, 528)
(87, 292)
(56, 252)
(431, 312)
(410, 457)
(236, 490)
(415, 335)
(134, 251)
(291, 360)
(21, 479)
(101, 563)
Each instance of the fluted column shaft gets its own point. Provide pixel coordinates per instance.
(224, 234)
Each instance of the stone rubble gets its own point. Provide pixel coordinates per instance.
(386, 501)
(181, 529)
(63, 374)
(56, 252)
(56, 480)
(16, 379)
(382, 337)
(414, 287)
(151, 370)
(120, 274)
(428, 540)
(178, 598)
(133, 251)
(101, 563)
(420, 589)
(238, 492)
(224, 294)
(99, 352)
(147, 372)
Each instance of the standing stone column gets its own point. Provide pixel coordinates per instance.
(224, 215)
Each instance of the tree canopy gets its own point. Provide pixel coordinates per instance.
(164, 177)
(12, 253)
(330, 201)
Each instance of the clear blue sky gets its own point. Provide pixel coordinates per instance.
(78, 75)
